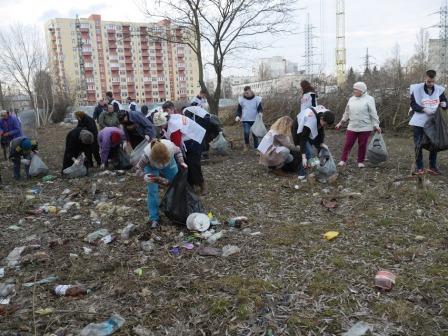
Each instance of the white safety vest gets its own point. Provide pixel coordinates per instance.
(199, 101)
(425, 100)
(307, 118)
(249, 108)
(190, 129)
(306, 101)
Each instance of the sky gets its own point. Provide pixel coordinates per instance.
(375, 24)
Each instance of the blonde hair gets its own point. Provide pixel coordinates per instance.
(283, 126)
(159, 152)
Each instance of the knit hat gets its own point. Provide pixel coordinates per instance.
(25, 144)
(361, 86)
(115, 138)
(159, 118)
(86, 137)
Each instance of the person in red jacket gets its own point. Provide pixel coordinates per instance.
(187, 135)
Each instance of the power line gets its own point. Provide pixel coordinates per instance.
(340, 42)
(309, 47)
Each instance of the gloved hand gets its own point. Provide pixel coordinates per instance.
(237, 119)
(428, 111)
(324, 146)
(149, 178)
(26, 162)
(102, 166)
(443, 104)
(338, 126)
(377, 129)
(304, 162)
(183, 166)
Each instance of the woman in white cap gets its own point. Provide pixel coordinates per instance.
(363, 119)
(187, 135)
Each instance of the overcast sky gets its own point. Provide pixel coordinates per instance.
(374, 24)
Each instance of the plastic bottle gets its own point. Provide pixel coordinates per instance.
(128, 231)
(106, 328)
(70, 290)
(237, 222)
(213, 238)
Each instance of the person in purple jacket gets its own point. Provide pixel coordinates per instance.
(109, 139)
(10, 128)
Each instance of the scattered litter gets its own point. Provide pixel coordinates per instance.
(87, 250)
(50, 279)
(48, 178)
(66, 192)
(296, 187)
(360, 328)
(215, 237)
(419, 212)
(138, 271)
(14, 228)
(36, 257)
(209, 251)
(329, 204)
(147, 246)
(128, 231)
(141, 331)
(331, 235)
(70, 290)
(77, 217)
(108, 239)
(188, 246)
(198, 222)
(228, 250)
(175, 250)
(108, 327)
(73, 256)
(94, 236)
(44, 311)
(29, 197)
(35, 190)
(67, 206)
(419, 238)
(13, 258)
(2, 272)
(6, 290)
(385, 280)
(237, 222)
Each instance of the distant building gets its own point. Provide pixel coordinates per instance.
(122, 58)
(286, 83)
(16, 102)
(436, 55)
(273, 67)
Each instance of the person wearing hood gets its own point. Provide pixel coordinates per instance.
(21, 150)
(77, 141)
(363, 119)
(249, 106)
(309, 96)
(99, 108)
(110, 139)
(88, 123)
(108, 118)
(10, 126)
(187, 135)
(308, 130)
(200, 100)
(425, 100)
(136, 126)
(161, 157)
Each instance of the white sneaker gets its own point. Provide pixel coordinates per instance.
(361, 165)
(342, 163)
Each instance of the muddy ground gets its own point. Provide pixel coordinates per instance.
(287, 280)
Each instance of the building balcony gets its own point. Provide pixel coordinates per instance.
(114, 66)
(111, 37)
(128, 60)
(112, 46)
(84, 29)
(144, 46)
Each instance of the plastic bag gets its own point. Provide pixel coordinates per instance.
(220, 144)
(436, 133)
(123, 161)
(258, 128)
(138, 152)
(77, 169)
(327, 166)
(180, 201)
(38, 167)
(377, 151)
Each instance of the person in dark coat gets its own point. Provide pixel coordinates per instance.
(78, 140)
(21, 149)
(136, 127)
(100, 108)
(88, 123)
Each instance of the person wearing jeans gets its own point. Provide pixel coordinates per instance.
(162, 157)
(21, 152)
(425, 100)
(248, 108)
(363, 118)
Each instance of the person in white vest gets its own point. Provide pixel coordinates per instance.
(200, 100)
(309, 96)
(187, 135)
(425, 100)
(248, 107)
(363, 119)
(132, 104)
(308, 130)
(113, 102)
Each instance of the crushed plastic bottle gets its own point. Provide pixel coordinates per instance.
(237, 222)
(13, 258)
(70, 290)
(214, 238)
(360, 328)
(228, 250)
(94, 236)
(106, 328)
(128, 231)
(48, 178)
(51, 278)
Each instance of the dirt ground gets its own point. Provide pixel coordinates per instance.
(287, 280)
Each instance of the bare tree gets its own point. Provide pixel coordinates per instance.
(21, 58)
(419, 62)
(221, 28)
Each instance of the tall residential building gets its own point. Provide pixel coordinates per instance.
(273, 67)
(96, 56)
(437, 59)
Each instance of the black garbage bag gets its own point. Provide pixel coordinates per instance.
(180, 201)
(436, 133)
(122, 161)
